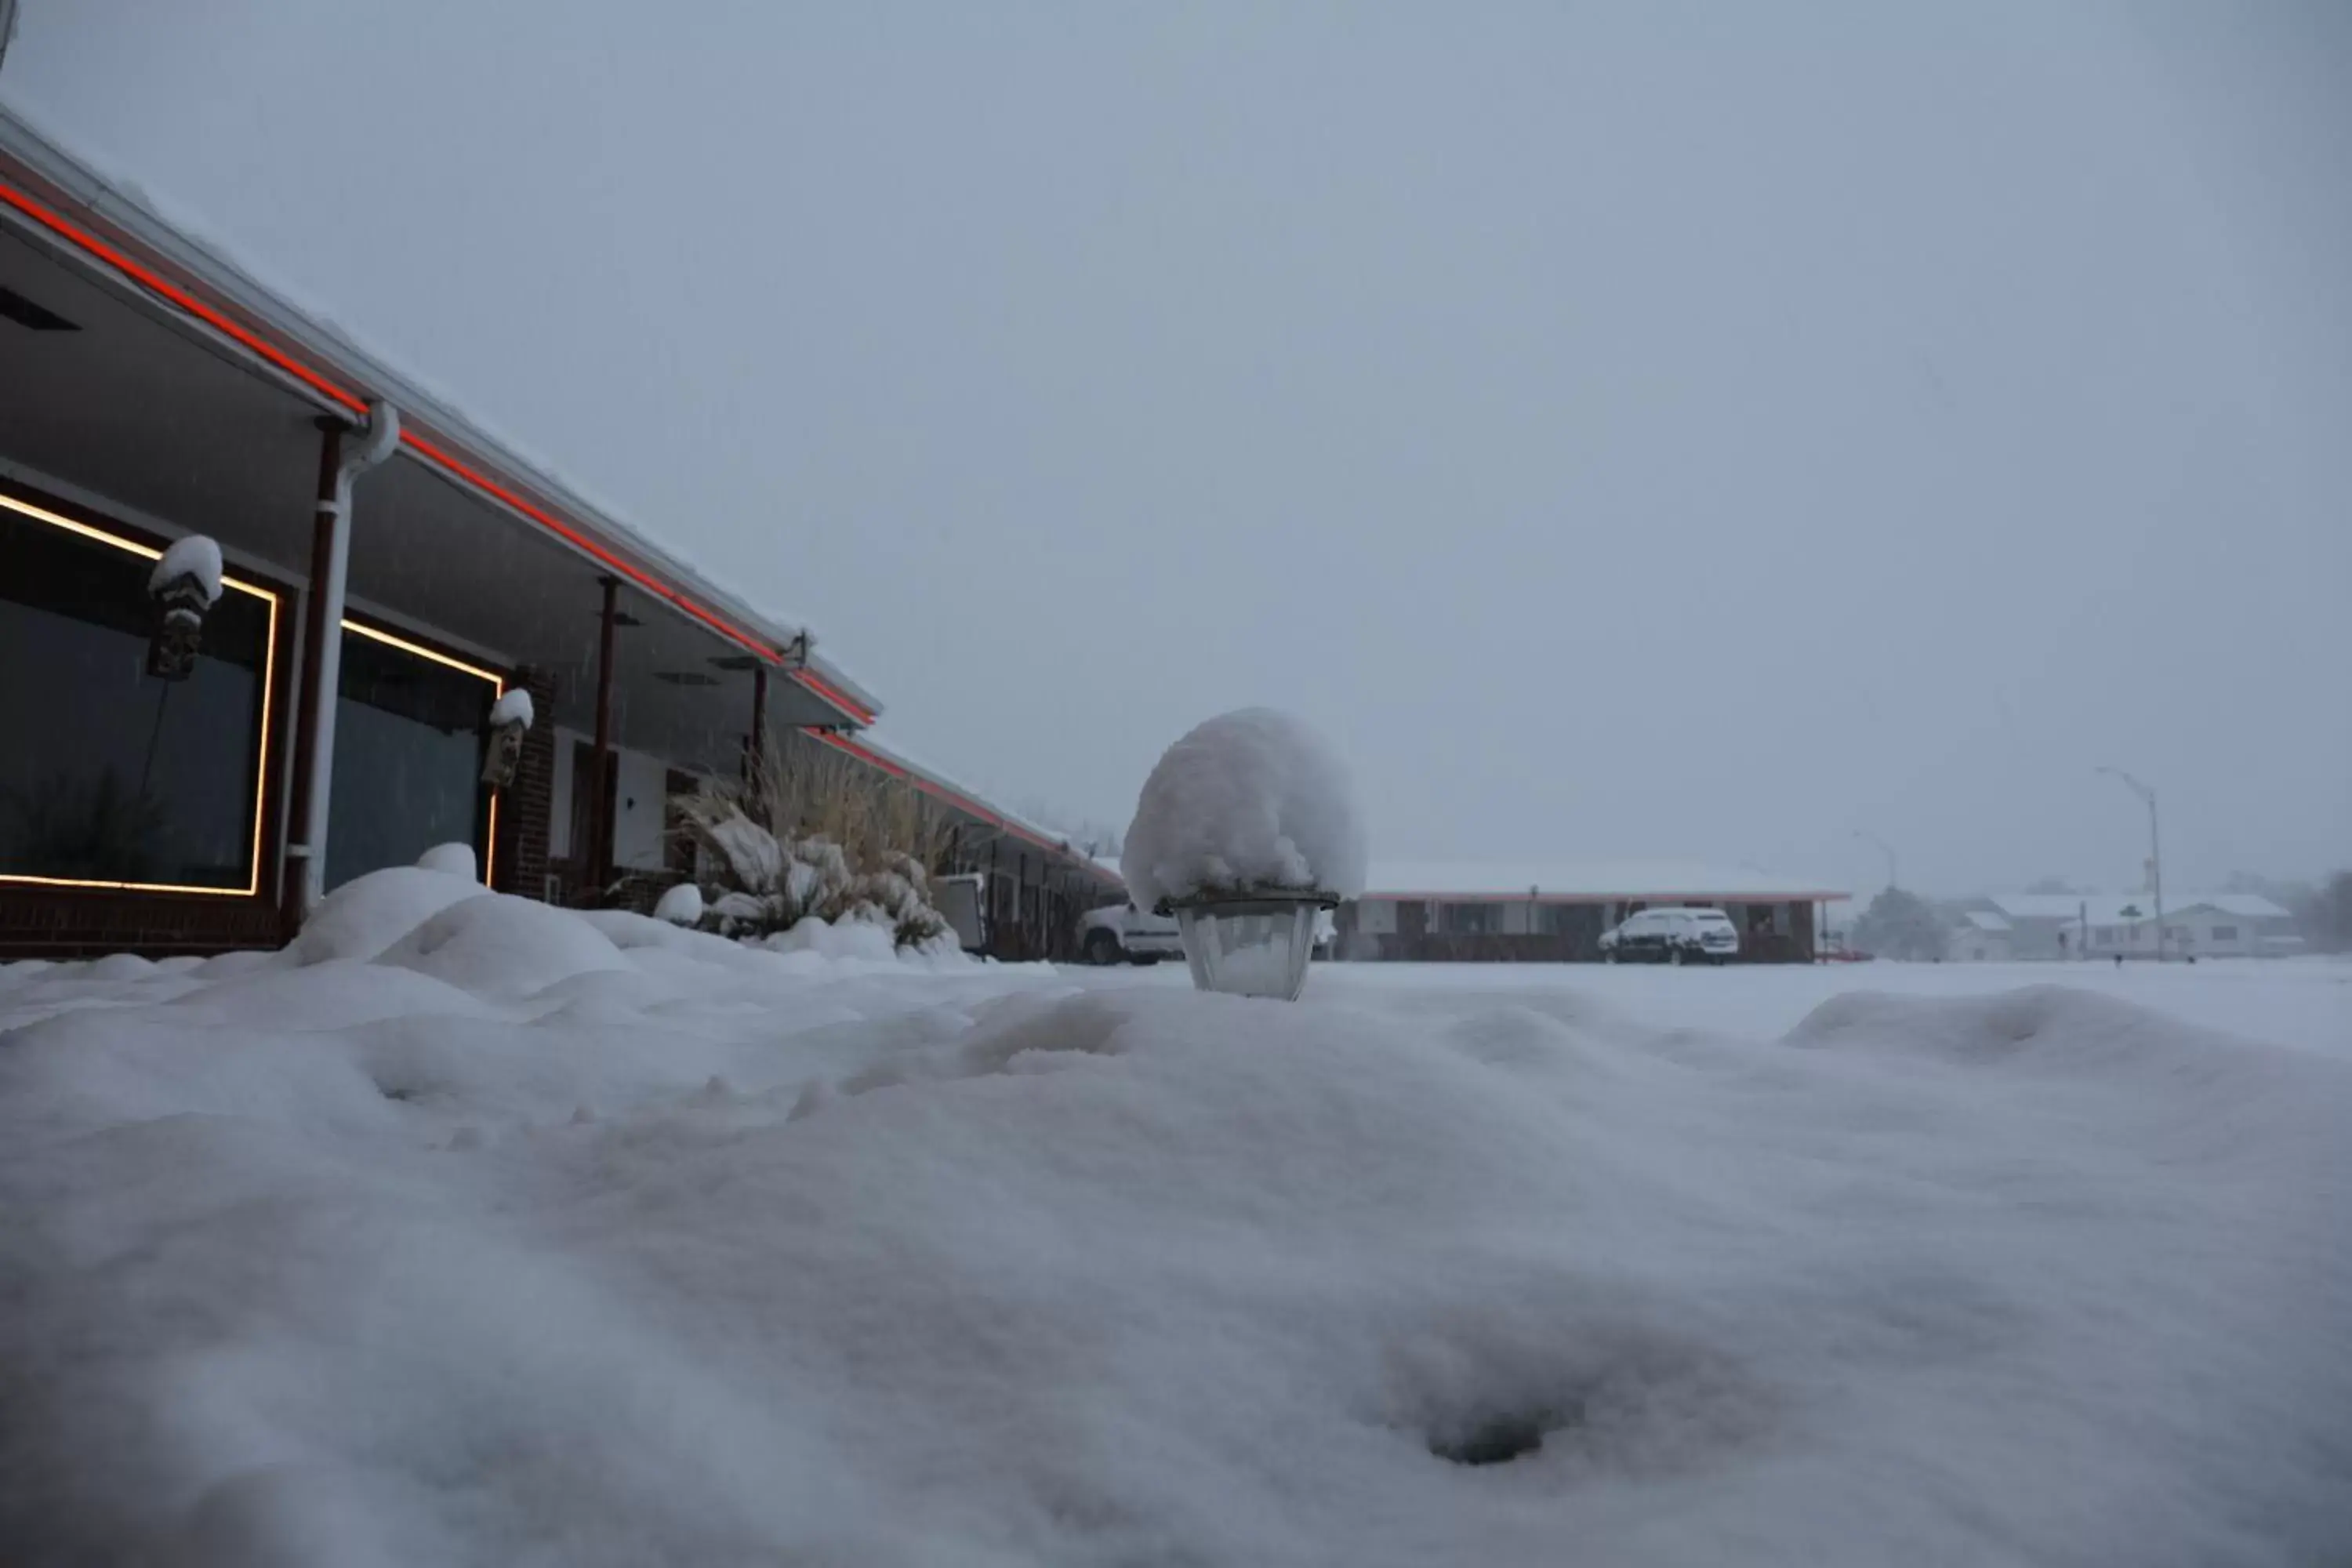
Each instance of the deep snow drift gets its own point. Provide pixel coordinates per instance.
(1248, 799)
(475, 1232)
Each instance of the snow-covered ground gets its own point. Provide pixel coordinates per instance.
(488, 1233)
(2304, 1002)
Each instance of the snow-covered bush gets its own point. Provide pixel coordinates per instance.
(820, 844)
(1252, 801)
(682, 905)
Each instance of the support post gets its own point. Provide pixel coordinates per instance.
(759, 726)
(994, 901)
(295, 870)
(329, 568)
(598, 859)
(2155, 851)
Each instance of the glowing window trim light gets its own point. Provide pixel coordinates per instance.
(498, 690)
(268, 714)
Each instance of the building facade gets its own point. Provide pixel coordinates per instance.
(2122, 925)
(390, 572)
(1981, 937)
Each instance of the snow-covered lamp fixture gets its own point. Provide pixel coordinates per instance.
(1251, 943)
(510, 715)
(184, 585)
(1246, 831)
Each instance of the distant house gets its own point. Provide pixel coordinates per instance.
(1523, 912)
(1981, 937)
(2266, 930)
(2221, 925)
(2108, 925)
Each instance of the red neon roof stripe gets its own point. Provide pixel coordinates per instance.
(147, 277)
(833, 695)
(961, 803)
(548, 520)
(178, 295)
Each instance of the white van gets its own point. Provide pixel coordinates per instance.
(1672, 936)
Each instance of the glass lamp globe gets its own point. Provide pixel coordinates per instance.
(1251, 943)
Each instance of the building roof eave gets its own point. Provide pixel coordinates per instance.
(43, 186)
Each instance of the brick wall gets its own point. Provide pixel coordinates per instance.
(84, 923)
(527, 807)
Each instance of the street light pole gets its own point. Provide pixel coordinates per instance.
(2154, 851)
(1884, 846)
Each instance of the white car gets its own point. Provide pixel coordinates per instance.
(1672, 936)
(1121, 933)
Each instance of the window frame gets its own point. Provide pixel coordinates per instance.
(411, 642)
(38, 506)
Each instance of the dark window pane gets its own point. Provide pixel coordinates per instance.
(408, 758)
(107, 775)
(1472, 919)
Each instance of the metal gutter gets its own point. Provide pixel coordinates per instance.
(43, 187)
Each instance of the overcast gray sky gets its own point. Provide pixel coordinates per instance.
(1698, 430)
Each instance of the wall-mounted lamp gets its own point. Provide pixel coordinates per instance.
(511, 716)
(184, 585)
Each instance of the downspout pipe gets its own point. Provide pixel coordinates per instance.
(383, 433)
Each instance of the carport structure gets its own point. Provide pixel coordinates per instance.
(150, 390)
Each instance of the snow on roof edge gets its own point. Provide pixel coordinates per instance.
(2107, 908)
(890, 750)
(187, 244)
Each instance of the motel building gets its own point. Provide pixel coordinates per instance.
(1474, 913)
(391, 571)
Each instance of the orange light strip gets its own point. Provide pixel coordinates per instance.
(420, 650)
(155, 283)
(268, 711)
(261, 772)
(145, 551)
(831, 693)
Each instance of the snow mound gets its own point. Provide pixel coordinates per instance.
(1248, 799)
(504, 946)
(368, 914)
(514, 707)
(450, 861)
(195, 556)
(682, 905)
(861, 940)
(711, 1254)
(2046, 1027)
